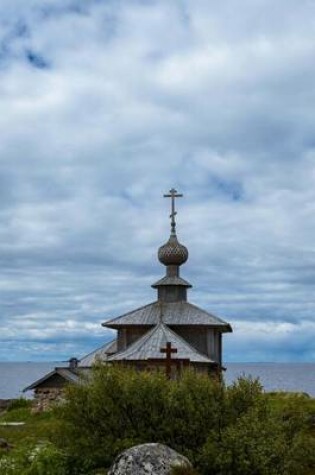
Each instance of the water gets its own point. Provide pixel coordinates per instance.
(14, 377)
(298, 377)
(274, 376)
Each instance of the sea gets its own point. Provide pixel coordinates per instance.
(297, 377)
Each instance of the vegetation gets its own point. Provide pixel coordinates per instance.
(183, 470)
(32, 453)
(235, 430)
(20, 403)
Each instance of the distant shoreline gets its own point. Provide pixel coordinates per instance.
(287, 377)
(63, 363)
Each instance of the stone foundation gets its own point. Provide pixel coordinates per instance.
(45, 397)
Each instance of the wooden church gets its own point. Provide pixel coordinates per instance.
(169, 333)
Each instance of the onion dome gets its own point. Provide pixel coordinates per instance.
(173, 253)
(172, 288)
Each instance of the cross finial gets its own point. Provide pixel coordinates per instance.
(173, 194)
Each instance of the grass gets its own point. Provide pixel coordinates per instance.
(37, 427)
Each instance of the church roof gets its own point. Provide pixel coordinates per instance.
(150, 344)
(174, 313)
(100, 354)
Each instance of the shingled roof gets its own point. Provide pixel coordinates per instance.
(171, 280)
(100, 354)
(174, 313)
(70, 375)
(150, 344)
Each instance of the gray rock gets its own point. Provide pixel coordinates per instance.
(147, 459)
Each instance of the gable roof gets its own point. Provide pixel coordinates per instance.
(100, 354)
(174, 313)
(68, 374)
(150, 344)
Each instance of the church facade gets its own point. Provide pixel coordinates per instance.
(170, 332)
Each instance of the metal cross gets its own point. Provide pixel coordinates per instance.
(168, 350)
(173, 194)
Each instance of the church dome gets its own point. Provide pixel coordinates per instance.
(173, 253)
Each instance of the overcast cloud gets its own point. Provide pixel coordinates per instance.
(105, 105)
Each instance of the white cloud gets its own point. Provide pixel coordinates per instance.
(125, 101)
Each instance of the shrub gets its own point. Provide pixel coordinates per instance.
(223, 431)
(20, 403)
(116, 410)
(251, 445)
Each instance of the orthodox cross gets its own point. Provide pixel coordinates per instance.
(173, 194)
(168, 350)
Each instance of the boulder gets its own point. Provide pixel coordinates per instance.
(147, 459)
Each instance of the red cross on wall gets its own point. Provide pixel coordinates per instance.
(168, 350)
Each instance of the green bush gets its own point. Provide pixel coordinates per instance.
(234, 430)
(115, 411)
(253, 444)
(20, 403)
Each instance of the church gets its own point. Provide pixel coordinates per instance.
(168, 334)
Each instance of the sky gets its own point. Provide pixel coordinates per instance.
(105, 106)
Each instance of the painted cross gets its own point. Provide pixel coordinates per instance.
(173, 194)
(168, 350)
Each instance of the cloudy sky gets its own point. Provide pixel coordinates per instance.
(105, 105)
